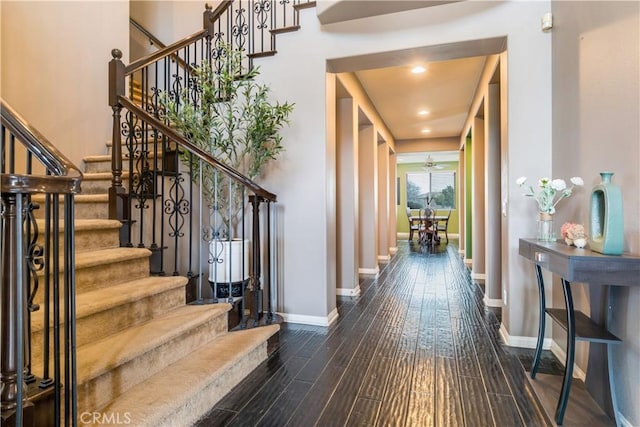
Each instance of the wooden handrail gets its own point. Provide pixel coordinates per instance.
(148, 34)
(154, 40)
(198, 152)
(163, 53)
(172, 48)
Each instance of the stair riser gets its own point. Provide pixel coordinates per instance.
(99, 186)
(92, 210)
(98, 210)
(99, 391)
(90, 240)
(103, 166)
(116, 319)
(202, 403)
(102, 276)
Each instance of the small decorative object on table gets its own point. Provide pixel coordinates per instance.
(574, 234)
(547, 195)
(606, 217)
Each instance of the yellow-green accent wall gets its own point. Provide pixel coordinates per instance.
(403, 169)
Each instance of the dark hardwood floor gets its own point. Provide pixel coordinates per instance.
(416, 348)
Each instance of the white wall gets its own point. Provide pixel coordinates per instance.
(347, 197)
(303, 177)
(368, 198)
(169, 21)
(596, 105)
(297, 74)
(54, 68)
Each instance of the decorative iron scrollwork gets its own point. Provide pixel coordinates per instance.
(261, 10)
(240, 29)
(34, 252)
(176, 206)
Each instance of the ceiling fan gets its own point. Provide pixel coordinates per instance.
(430, 163)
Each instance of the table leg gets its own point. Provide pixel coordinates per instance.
(541, 323)
(612, 388)
(571, 350)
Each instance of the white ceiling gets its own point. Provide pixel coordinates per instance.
(437, 156)
(446, 89)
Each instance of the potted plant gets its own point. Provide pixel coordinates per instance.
(226, 112)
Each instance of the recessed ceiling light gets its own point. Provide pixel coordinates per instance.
(426, 130)
(418, 70)
(423, 112)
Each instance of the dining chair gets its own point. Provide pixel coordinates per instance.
(414, 223)
(443, 225)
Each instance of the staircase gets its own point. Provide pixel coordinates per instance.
(143, 355)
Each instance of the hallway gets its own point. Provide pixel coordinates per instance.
(417, 348)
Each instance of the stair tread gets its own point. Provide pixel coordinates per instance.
(101, 356)
(103, 299)
(108, 256)
(87, 224)
(78, 198)
(95, 176)
(178, 383)
(107, 157)
(98, 257)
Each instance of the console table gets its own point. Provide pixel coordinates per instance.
(577, 265)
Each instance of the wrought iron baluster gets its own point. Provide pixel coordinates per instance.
(268, 262)
(35, 262)
(47, 381)
(3, 132)
(56, 307)
(71, 401)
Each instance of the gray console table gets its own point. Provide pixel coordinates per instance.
(577, 265)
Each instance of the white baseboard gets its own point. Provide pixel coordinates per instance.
(468, 261)
(402, 236)
(522, 342)
(478, 276)
(369, 270)
(461, 252)
(384, 258)
(311, 320)
(453, 235)
(348, 292)
(492, 302)
(562, 356)
(393, 250)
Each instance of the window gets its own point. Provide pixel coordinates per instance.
(433, 189)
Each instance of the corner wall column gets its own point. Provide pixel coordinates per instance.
(477, 199)
(493, 222)
(347, 282)
(367, 195)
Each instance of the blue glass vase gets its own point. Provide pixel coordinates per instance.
(606, 231)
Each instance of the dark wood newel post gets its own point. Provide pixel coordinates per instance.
(116, 89)
(255, 264)
(207, 20)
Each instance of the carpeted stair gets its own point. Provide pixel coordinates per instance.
(144, 356)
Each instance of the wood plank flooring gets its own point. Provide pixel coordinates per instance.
(416, 348)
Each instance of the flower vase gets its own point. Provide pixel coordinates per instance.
(546, 232)
(606, 234)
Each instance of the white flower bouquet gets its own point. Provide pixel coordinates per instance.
(549, 191)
